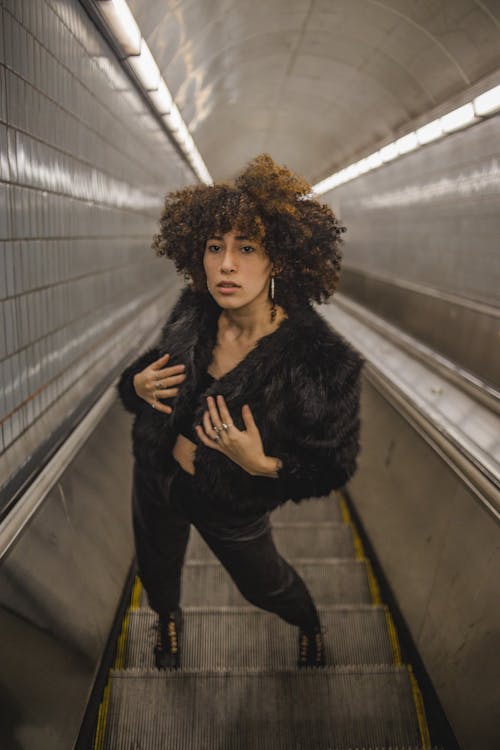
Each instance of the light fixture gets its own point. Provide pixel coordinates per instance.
(145, 68)
(407, 143)
(389, 152)
(161, 98)
(121, 22)
(463, 116)
(429, 132)
(488, 102)
(458, 118)
(374, 160)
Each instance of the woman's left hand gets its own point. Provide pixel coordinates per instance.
(244, 447)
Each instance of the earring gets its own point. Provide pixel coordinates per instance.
(273, 303)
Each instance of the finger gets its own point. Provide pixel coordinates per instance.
(205, 439)
(208, 425)
(165, 392)
(214, 412)
(161, 362)
(167, 382)
(158, 406)
(167, 372)
(248, 419)
(224, 412)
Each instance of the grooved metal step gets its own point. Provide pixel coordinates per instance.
(230, 639)
(239, 689)
(299, 539)
(250, 710)
(314, 509)
(331, 581)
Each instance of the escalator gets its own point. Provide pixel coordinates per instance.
(238, 686)
(428, 503)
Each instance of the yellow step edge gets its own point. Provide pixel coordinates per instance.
(102, 716)
(135, 598)
(359, 551)
(418, 700)
(391, 628)
(393, 637)
(102, 719)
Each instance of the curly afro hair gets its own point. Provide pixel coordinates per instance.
(267, 203)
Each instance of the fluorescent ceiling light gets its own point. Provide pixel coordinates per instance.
(458, 118)
(145, 68)
(122, 23)
(363, 166)
(389, 152)
(118, 17)
(430, 132)
(351, 171)
(407, 143)
(374, 160)
(488, 102)
(161, 98)
(173, 119)
(328, 184)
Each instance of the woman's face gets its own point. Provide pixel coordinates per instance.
(237, 269)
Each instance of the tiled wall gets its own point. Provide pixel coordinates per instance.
(422, 247)
(83, 170)
(432, 217)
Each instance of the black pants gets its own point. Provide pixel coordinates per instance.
(164, 508)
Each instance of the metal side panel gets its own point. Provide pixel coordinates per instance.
(60, 585)
(232, 639)
(440, 552)
(244, 709)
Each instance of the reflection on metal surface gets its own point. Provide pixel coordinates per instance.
(439, 552)
(464, 430)
(46, 168)
(60, 584)
(463, 185)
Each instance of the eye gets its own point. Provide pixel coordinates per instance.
(213, 248)
(247, 247)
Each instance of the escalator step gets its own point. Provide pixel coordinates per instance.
(312, 710)
(331, 581)
(216, 639)
(314, 509)
(308, 539)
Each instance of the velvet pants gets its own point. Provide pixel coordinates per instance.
(163, 510)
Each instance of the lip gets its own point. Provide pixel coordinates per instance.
(230, 285)
(227, 289)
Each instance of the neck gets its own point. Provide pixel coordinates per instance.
(251, 321)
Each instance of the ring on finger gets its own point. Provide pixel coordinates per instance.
(225, 426)
(217, 438)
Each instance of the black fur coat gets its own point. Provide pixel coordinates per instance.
(302, 383)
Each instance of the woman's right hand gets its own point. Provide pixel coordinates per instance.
(157, 381)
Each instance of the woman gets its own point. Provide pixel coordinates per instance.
(250, 399)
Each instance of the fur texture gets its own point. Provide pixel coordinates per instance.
(302, 383)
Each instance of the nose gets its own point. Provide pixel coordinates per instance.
(228, 261)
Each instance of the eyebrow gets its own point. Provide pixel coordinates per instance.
(238, 237)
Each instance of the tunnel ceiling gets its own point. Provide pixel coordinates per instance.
(313, 82)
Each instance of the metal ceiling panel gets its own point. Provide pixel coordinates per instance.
(313, 82)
